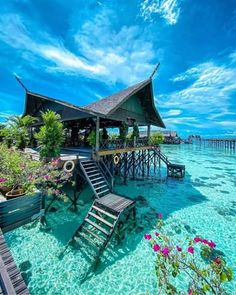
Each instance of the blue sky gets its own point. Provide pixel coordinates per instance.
(81, 51)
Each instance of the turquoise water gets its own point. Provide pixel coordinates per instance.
(204, 201)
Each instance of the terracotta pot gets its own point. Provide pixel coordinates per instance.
(4, 189)
(15, 193)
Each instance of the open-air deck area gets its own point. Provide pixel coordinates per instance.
(118, 147)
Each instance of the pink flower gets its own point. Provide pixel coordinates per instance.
(47, 177)
(205, 241)
(159, 215)
(165, 251)
(190, 292)
(2, 180)
(147, 237)
(156, 248)
(217, 260)
(197, 239)
(55, 162)
(211, 244)
(157, 234)
(191, 250)
(178, 248)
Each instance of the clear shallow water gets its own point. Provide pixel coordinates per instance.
(204, 201)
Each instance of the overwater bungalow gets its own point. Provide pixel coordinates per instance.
(98, 164)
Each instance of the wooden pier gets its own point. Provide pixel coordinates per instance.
(11, 281)
(226, 143)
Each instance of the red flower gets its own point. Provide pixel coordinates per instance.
(197, 239)
(178, 248)
(211, 244)
(165, 251)
(190, 292)
(205, 241)
(217, 260)
(147, 237)
(157, 234)
(2, 180)
(156, 248)
(191, 249)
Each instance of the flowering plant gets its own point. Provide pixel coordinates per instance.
(50, 179)
(17, 171)
(195, 259)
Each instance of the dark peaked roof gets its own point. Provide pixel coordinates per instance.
(135, 102)
(110, 103)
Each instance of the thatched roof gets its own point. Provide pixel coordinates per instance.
(110, 103)
(109, 106)
(135, 102)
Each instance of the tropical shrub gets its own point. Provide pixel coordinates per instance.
(17, 130)
(195, 259)
(18, 171)
(50, 136)
(123, 131)
(156, 138)
(91, 139)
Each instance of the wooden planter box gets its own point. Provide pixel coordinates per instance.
(19, 211)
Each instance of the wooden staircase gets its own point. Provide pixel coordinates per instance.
(96, 179)
(173, 170)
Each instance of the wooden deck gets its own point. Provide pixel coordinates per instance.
(11, 281)
(123, 150)
(115, 202)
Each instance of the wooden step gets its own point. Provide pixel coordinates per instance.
(97, 226)
(93, 242)
(98, 188)
(88, 164)
(95, 179)
(94, 175)
(94, 170)
(89, 168)
(97, 183)
(100, 238)
(101, 219)
(105, 191)
(105, 212)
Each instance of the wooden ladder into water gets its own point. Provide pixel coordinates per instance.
(11, 281)
(173, 170)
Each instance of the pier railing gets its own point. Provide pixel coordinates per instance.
(228, 143)
(113, 144)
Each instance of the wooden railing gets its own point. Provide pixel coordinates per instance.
(112, 144)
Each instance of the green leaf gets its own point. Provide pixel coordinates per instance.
(223, 277)
(206, 288)
(229, 274)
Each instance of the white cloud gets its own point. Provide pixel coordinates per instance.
(173, 113)
(211, 87)
(169, 10)
(102, 53)
(125, 54)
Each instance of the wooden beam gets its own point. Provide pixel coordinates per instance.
(97, 134)
(124, 150)
(148, 133)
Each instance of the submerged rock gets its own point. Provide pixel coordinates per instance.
(24, 266)
(53, 209)
(141, 200)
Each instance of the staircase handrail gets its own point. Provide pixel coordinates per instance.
(109, 179)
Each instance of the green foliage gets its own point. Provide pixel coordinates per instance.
(51, 135)
(156, 138)
(16, 131)
(92, 138)
(135, 131)
(18, 171)
(123, 131)
(15, 168)
(196, 259)
(113, 136)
